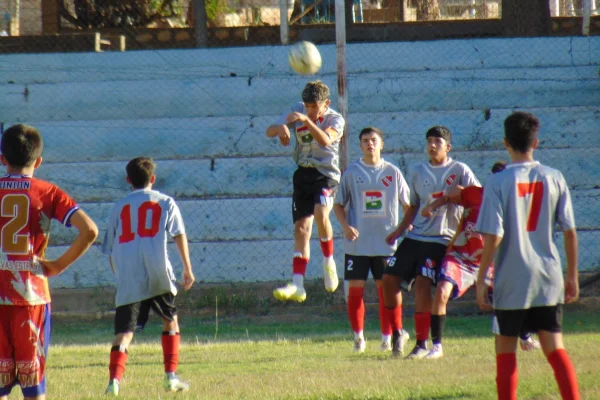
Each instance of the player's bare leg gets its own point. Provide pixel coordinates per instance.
(326, 240)
(391, 297)
(564, 372)
(356, 312)
(295, 290)
(423, 303)
(438, 317)
(118, 359)
(170, 346)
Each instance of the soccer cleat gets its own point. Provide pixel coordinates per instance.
(529, 344)
(417, 353)
(399, 341)
(386, 345)
(359, 345)
(330, 274)
(290, 292)
(435, 352)
(113, 388)
(174, 384)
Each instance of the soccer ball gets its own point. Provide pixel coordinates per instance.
(305, 58)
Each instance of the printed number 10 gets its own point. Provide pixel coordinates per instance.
(127, 235)
(536, 190)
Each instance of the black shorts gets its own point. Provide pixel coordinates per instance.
(414, 258)
(311, 187)
(512, 322)
(126, 317)
(358, 267)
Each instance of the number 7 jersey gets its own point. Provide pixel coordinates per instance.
(136, 240)
(27, 206)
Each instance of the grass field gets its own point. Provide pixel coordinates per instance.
(305, 353)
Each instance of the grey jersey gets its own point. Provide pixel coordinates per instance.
(309, 153)
(136, 240)
(427, 183)
(372, 195)
(522, 205)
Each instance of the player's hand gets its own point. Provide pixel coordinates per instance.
(350, 233)
(392, 237)
(427, 212)
(188, 279)
(295, 117)
(571, 290)
(51, 268)
(482, 296)
(284, 136)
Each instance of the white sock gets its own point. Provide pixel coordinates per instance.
(327, 259)
(386, 338)
(358, 335)
(298, 280)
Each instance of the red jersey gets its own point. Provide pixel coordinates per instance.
(468, 242)
(27, 205)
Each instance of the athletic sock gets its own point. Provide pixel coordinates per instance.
(384, 320)
(422, 325)
(437, 328)
(170, 346)
(507, 376)
(118, 359)
(565, 375)
(327, 247)
(299, 264)
(356, 309)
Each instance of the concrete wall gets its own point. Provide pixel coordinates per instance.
(202, 115)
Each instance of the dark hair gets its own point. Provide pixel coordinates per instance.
(315, 91)
(498, 166)
(521, 130)
(370, 129)
(439, 131)
(21, 145)
(139, 171)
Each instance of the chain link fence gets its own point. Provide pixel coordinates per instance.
(202, 115)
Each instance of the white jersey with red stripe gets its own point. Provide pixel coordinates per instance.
(307, 152)
(136, 241)
(428, 182)
(373, 195)
(523, 204)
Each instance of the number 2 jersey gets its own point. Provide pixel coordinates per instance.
(523, 204)
(427, 183)
(136, 241)
(27, 206)
(374, 195)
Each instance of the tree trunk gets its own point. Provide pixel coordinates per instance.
(428, 10)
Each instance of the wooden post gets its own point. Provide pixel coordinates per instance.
(200, 23)
(587, 13)
(340, 40)
(284, 27)
(50, 17)
(526, 18)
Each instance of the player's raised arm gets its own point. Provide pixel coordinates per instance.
(184, 252)
(88, 231)
(454, 197)
(281, 131)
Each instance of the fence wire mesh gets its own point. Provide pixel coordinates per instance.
(202, 115)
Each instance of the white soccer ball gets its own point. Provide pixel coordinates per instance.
(305, 58)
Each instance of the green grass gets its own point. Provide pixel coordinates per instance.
(307, 355)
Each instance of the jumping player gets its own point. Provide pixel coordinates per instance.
(136, 241)
(420, 254)
(521, 207)
(28, 207)
(317, 131)
(371, 190)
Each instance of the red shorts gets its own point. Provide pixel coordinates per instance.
(24, 340)
(461, 273)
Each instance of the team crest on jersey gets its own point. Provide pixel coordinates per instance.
(429, 263)
(387, 181)
(373, 203)
(450, 179)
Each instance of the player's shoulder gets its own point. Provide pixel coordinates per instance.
(45, 187)
(388, 166)
(333, 113)
(459, 165)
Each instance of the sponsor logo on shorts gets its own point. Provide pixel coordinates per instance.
(387, 181)
(450, 179)
(429, 263)
(28, 373)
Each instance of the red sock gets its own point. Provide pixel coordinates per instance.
(384, 315)
(507, 376)
(356, 308)
(118, 359)
(170, 346)
(299, 265)
(422, 325)
(327, 247)
(565, 374)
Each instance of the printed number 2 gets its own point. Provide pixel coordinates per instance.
(350, 264)
(15, 206)
(536, 190)
(127, 235)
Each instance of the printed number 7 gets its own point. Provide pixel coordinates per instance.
(536, 190)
